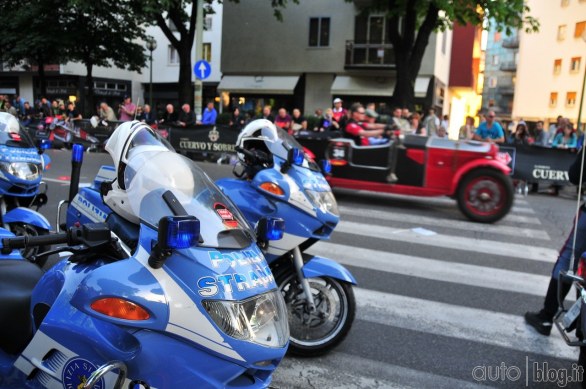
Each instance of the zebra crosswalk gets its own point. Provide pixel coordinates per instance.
(438, 299)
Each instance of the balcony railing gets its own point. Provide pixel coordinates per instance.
(369, 55)
(511, 42)
(508, 66)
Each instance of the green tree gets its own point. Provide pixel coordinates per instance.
(180, 15)
(413, 21)
(32, 34)
(104, 33)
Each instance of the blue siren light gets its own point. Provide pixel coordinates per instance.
(45, 144)
(179, 232)
(275, 228)
(77, 153)
(296, 156)
(326, 166)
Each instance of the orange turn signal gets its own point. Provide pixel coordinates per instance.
(120, 309)
(272, 188)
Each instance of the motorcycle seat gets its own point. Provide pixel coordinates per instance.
(17, 281)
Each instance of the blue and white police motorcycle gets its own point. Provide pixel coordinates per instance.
(276, 180)
(193, 304)
(21, 168)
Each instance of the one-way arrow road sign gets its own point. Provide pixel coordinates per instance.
(202, 69)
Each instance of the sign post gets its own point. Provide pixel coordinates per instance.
(198, 86)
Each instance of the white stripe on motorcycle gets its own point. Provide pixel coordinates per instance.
(470, 324)
(356, 373)
(185, 318)
(482, 246)
(459, 273)
(379, 214)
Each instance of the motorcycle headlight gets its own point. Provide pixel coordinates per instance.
(23, 170)
(325, 201)
(260, 319)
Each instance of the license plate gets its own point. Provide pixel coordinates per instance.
(572, 314)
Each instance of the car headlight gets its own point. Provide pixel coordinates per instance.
(323, 200)
(260, 319)
(23, 170)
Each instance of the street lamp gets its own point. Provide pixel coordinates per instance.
(151, 46)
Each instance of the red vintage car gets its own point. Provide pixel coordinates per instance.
(469, 171)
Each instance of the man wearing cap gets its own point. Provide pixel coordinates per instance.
(127, 109)
(339, 111)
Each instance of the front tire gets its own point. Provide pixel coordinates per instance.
(485, 195)
(23, 229)
(315, 333)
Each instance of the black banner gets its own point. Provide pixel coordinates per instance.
(203, 139)
(538, 164)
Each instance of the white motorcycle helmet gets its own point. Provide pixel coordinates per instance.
(8, 123)
(128, 140)
(263, 135)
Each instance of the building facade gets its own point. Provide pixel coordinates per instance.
(551, 67)
(68, 81)
(320, 51)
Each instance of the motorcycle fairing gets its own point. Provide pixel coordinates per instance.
(27, 216)
(87, 207)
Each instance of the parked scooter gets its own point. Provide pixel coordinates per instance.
(21, 186)
(275, 179)
(193, 305)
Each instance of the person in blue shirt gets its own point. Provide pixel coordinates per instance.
(566, 139)
(489, 130)
(209, 114)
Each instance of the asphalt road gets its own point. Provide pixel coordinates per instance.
(440, 299)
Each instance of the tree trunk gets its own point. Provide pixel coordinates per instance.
(404, 94)
(89, 108)
(185, 85)
(42, 77)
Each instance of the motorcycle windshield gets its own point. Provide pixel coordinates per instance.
(280, 147)
(14, 139)
(151, 174)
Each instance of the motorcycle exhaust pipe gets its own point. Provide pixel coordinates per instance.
(76, 161)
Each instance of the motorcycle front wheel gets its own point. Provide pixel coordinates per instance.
(315, 333)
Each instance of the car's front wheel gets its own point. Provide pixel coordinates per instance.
(485, 195)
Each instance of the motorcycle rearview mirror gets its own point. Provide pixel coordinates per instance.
(175, 232)
(295, 156)
(269, 228)
(326, 166)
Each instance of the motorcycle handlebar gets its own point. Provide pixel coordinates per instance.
(85, 235)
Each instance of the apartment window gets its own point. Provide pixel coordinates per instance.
(553, 99)
(570, 99)
(575, 64)
(172, 56)
(495, 59)
(207, 23)
(492, 82)
(207, 52)
(579, 29)
(319, 32)
(557, 66)
(562, 32)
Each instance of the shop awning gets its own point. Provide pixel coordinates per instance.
(421, 85)
(274, 85)
(363, 86)
(374, 86)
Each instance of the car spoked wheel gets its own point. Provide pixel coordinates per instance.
(314, 332)
(485, 195)
(23, 229)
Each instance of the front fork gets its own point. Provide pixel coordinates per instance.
(298, 263)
